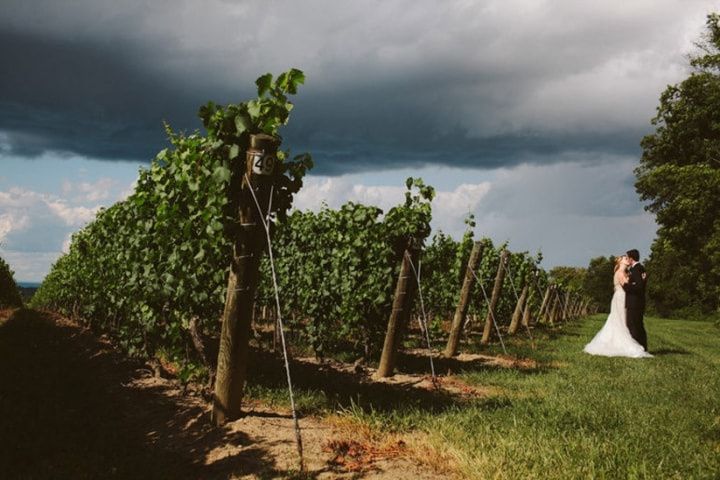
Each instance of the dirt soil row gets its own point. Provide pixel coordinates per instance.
(72, 407)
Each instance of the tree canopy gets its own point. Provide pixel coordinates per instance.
(679, 177)
(598, 281)
(569, 277)
(9, 293)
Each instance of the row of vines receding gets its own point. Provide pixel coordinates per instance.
(151, 271)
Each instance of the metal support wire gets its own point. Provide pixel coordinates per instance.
(492, 314)
(537, 287)
(298, 437)
(541, 296)
(562, 303)
(517, 298)
(424, 317)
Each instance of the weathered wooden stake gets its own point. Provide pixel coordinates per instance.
(497, 289)
(552, 307)
(558, 306)
(577, 302)
(542, 314)
(402, 304)
(519, 308)
(248, 243)
(527, 313)
(462, 306)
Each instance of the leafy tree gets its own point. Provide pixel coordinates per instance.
(569, 277)
(679, 175)
(598, 281)
(9, 293)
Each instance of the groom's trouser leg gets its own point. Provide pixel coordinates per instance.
(634, 323)
(642, 334)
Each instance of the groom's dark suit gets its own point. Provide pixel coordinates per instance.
(635, 304)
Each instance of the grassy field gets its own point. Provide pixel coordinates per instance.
(597, 417)
(578, 416)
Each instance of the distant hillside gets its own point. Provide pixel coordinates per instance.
(27, 290)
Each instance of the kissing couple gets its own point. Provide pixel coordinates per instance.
(623, 334)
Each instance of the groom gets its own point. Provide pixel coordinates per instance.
(635, 298)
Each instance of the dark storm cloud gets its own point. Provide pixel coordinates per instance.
(94, 100)
(460, 84)
(460, 151)
(99, 102)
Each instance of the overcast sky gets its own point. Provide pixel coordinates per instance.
(526, 113)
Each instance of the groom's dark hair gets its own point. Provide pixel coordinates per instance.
(634, 254)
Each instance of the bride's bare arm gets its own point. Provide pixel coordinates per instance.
(621, 277)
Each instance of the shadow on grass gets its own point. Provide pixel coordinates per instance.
(66, 412)
(670, 351)
(418, 364)
(346, 388)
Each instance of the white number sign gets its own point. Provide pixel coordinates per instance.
(262, 164)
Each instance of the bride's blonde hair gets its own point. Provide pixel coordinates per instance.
(618, 262)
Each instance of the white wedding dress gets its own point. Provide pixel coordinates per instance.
(614, 339)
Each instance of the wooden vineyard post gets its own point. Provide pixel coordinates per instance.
(519, 310)
(558, 306)
(256, 171)
(559, 317)
(566, 307)
(462, 306)
(552, 306)
(567, 313)
(402, 304)
(542, 314)
(497, 289)
(576, 307)
(526, 313)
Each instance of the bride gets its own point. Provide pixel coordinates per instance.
(614, 339)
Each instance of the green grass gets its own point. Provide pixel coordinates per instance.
(580, 416)
(596, 417)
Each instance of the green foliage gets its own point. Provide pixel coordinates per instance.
(679, 176)
(571, 278)
(440, 279)
(9, 293)
(598, 281)
(337, 269)
(229, 129)
(149, 264)
(334, 271)
(409, 224)
(443, 271)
